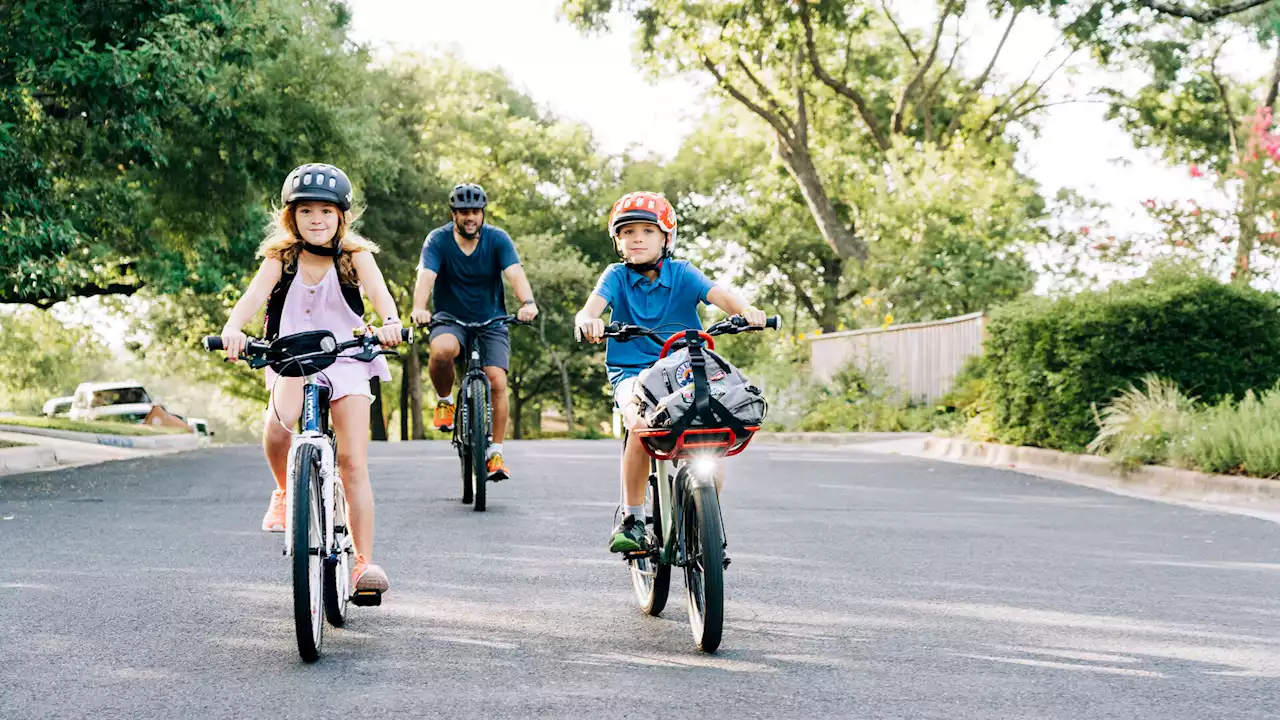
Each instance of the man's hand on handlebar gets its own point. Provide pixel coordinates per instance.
(420, 317)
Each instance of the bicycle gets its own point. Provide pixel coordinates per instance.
(473, 427)
(682, 512)
(316, 534)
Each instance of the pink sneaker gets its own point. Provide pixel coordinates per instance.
(273, 521)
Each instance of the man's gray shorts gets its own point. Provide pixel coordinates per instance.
(495, 344)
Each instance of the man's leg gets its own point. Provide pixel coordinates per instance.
(445, 348)
(498, 396)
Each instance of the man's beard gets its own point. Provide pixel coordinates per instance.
(470, 235)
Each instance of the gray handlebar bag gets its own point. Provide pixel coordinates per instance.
(665, 391)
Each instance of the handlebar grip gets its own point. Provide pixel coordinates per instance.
(406, 334)
(774, 323)
(212, 343)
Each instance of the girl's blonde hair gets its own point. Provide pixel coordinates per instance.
(282, 242)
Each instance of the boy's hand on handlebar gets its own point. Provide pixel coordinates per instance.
(589, 329)
(755, 317)
(234, 342)
(420, 317)
(388, 335)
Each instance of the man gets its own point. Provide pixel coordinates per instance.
(464, 262)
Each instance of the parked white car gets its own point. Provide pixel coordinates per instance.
(57, 407)
(201, 426)
(126, 400)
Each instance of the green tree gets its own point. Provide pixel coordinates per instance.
(42, 357)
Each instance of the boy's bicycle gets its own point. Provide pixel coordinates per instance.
(316, 534)
(473, 427)
(683, 520)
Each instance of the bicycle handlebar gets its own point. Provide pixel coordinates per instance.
(439, 319)
(731, 325)
(213, 343)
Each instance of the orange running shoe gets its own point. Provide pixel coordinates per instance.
(273, 521)
(497, 468)
(443, 417)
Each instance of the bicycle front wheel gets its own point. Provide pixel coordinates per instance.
(703, 564)
(307, 543)
(650, 577)
(478, 420)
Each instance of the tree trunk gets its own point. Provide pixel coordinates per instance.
(832, 271)
(413, 378)
(839, 237)
(404, 401)
(1247, 217)
(377, 421)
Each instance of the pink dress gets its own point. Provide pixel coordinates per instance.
(322, 307)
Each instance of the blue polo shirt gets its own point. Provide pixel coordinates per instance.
(469, 287)
(667, 304)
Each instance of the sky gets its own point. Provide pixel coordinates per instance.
(574, 76)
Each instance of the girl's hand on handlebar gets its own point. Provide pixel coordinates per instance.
(234, 342)
(388, 335)
(589, 329)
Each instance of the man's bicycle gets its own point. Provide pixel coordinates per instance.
(473, 426)
(317, 538)
(683, 520)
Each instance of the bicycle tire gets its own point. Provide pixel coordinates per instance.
(650, 577)
(337, 571)
(307, 540)
(704, 564)
(478, 417)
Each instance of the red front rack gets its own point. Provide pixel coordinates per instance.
(718, 441)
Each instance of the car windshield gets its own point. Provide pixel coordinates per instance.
(121, 396)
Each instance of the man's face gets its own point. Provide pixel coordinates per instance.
(468, 221)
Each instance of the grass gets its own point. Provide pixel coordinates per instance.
(105, 428)
(7, 444)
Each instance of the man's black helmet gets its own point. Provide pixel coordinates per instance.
(317, 181)
(467, 195)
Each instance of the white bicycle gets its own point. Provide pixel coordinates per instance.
(317, 539)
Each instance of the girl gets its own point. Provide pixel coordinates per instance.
(312, 271)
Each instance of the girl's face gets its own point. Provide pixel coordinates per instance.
(641, 242)
(317, 221)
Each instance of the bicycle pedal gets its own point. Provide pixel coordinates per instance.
(635, 555)
(727, 561)
(366, 598)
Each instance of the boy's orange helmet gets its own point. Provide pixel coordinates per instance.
(643, 206)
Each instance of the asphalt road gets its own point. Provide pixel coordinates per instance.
(862, 586)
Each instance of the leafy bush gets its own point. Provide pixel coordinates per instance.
(1138, 426)
(1232, 437)
(1049, 362)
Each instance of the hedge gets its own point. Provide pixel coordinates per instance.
(1050, 361)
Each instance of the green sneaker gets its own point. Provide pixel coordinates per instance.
(628, 537)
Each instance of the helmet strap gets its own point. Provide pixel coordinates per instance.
(323, 250)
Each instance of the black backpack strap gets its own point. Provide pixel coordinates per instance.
(275, 303)
(350, 293)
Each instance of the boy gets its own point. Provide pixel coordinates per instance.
(650, 289)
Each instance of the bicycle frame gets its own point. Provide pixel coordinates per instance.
(315, 431)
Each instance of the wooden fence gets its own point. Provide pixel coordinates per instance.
(919, 359)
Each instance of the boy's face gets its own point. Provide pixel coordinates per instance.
(317, 221)
(641, 242)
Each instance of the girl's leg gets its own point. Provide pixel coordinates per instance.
(350, 415)
(286, 400)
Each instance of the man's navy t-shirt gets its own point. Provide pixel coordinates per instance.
(469, 287)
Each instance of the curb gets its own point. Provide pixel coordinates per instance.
(1160, 481)
(1228, 492)
(23, 459)
(183, 441)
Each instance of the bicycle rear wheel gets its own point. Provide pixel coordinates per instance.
(307, 544)
(338, 566)
(703, 563)
(650, 577)
(478, 429)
